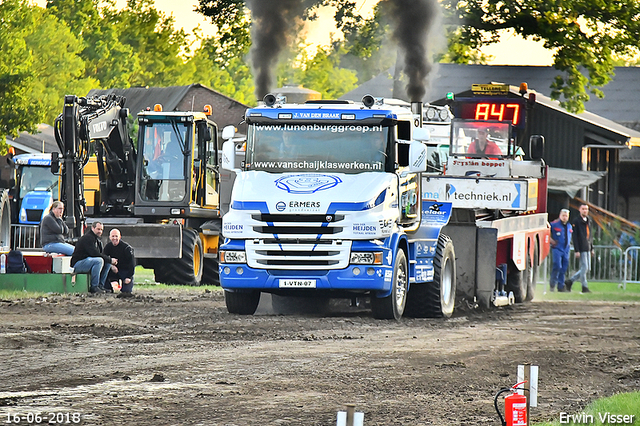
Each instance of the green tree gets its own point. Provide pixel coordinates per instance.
(39, 63)
(161, 50)
(233, 23)
(107, 59)
(233, 79)
(58, 69)
(367, 45)
(135, 46)
(586, 36)
(17, 110)
(322, 73)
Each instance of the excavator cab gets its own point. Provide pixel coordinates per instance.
(162, 193)
(177, 163)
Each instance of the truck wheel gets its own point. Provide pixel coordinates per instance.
(188, 269)
(436, 299)
(531, 274)
(516, 283)
(392, 306)
(210, 271)
(242, 303)
(5, 220)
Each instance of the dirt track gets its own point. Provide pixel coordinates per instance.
(98, 356)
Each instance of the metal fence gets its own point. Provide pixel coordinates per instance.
(631, 266)
(607, 264)
(24, 237)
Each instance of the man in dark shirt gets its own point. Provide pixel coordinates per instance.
(583, 247)
(88, 257)
(118, 249)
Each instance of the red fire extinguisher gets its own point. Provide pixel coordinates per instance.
(515, 407)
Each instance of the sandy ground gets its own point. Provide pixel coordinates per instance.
(178, 358)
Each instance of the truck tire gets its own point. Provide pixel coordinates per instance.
(5, 219)
(436, 299)
(392, 306)
(186, 270)
(516, 283)
(210, 271)
(531, 274)
(242, 303)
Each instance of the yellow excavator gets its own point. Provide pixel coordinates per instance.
(164, 194)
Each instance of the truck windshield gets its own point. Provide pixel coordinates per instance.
(317, 147)
(163, 147)
(480, 139)
(37, 178)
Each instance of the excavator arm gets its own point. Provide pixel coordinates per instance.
(101, 122)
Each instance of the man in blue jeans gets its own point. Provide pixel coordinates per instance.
(561, 231)
(88, 257)
(583, 247)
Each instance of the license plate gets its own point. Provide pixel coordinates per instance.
(297, 283)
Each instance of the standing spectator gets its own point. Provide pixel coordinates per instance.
(88, 257)
(561, 231)
(53, 231)
(118, 249)
(583, 247)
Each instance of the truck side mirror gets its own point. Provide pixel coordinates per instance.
(229, 155)
(55, 165)
(417, 157)
(536, 147)
(228, 132)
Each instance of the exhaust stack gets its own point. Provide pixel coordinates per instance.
(418, 109)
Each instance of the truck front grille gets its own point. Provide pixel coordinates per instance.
(293, 241)
(288, 254)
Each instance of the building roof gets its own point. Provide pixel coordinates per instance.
(140, 98)
(616, 112)
(43, 141)
(620, 104)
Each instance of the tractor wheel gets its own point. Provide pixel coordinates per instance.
(392, 306)
(242, 303)
(188, 269)
(5, 220)
(437, 298)
(210, 271)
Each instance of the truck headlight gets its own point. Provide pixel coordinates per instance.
(232, 256)
(23, 215)
(366, 258)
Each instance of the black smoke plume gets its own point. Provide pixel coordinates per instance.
(413, 21)
(273, 22)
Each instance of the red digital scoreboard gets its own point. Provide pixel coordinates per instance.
(503, 110)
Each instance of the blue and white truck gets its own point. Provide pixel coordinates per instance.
(333, 199)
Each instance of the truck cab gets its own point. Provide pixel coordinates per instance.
(324, 203)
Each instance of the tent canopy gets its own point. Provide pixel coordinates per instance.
(571, 181)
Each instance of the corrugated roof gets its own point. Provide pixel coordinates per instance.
(620, 104)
